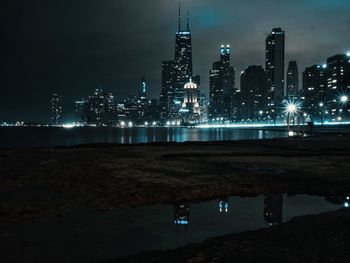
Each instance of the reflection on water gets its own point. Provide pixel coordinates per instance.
(49, 137)
(223, 205)
(273, 207)
(89, 236)
(182, 214)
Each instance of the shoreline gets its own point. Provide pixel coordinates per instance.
(104, 176)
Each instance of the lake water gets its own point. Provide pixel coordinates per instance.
(86, 235)
(14, 137)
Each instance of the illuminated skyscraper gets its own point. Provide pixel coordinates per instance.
(314, 91)
(183, 61)
(56, 109)
(275, 48)
(222, 88)
(292, 80)
(338, 86)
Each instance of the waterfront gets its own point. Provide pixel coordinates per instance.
(24, 137)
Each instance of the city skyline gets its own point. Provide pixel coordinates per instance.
(76, 82)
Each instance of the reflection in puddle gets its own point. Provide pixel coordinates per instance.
(182, 214)
(87, 235)
(273, 207)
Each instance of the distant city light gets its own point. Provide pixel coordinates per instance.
(346, 204)
(324, 66)
(146, 123)
(122, 123)
(348, 54)
(291, 108)
(68, 125)
(344, 99)
(130, 124)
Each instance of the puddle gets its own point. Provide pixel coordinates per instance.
(87, 235)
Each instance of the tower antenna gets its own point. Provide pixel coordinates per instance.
(179, 15)
(188, 20)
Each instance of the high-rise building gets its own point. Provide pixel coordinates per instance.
(80, 111)
(183, 61)
(222, 88)
(253, 93)
(166, 99)
(292, 80)
(314, 91)
(56, 109)
(143, 103)
(338, 87)
(99, 109)
(275, 50)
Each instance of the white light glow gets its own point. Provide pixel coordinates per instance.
(344, 99)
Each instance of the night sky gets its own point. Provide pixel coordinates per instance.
(73, 46)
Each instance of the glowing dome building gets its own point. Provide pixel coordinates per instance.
(190, 107)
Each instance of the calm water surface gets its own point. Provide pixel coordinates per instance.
(14, 137)
(88, 236)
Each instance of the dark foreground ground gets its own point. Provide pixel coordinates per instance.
(39, 182)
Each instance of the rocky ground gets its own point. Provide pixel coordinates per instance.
(37, 182)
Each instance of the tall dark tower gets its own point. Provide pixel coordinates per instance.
(166, 99)
(292, 80)
(275, 70)
(183, 59)
(253, 93)
(222, 88)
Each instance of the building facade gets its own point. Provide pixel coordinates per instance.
(222, 88)
(292, 81)
(275, 52)
(253, 94)
(56, 109)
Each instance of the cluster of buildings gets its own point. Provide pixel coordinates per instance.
(260, 97)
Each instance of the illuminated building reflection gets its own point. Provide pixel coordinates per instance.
(182, 214)
(273, 208)
(223, 205)
(339, 200)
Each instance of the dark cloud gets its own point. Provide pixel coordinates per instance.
(74, 46)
